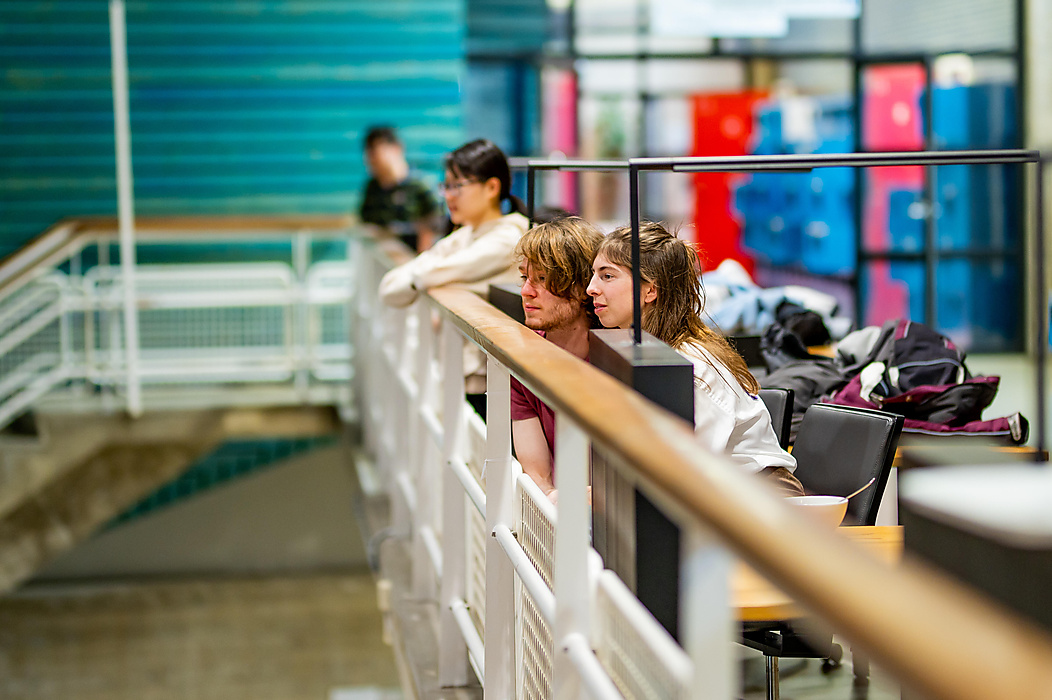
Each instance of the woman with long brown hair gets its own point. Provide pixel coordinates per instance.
(729, 417)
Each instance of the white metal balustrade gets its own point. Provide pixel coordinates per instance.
(523, 601)
(517, 594)
(205, 330)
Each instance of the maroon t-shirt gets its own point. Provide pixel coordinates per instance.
(526, 405)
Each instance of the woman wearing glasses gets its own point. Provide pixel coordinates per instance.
(481, 250)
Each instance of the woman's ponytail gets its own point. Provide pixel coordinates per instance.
(516, 205)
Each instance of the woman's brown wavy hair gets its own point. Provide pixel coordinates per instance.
(674, 317)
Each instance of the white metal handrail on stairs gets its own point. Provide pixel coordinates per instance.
(243, 323)
(523, 600)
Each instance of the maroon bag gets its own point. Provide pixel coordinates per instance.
(946, 409)
(923, 378)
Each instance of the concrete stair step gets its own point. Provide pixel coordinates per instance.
(83, 470)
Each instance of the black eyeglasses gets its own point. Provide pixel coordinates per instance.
(454, 187)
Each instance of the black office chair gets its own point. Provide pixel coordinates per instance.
(779, 404)
(750, 348)
(838, 449)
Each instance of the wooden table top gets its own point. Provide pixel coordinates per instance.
(759, 600)
(962, 452)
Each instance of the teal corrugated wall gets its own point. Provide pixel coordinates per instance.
(502, 85)
(506, 27)
(237, 106)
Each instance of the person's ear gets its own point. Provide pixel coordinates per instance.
(492, 187)
(650, 293)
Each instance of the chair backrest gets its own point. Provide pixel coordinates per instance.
(750, 348)
(779, 404)
(840, 448)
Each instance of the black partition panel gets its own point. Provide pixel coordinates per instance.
(508, 298)
(635, 539)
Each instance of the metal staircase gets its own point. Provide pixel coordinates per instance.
(243, 332)
(256, 315)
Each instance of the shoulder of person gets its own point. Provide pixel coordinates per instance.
(417, 184)
(512, 224)
(518, 220)
(709, 372)
(694, 352)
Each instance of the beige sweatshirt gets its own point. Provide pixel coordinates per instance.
(475, 257)
(483, 256)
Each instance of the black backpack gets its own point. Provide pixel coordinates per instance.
(923, 377)
(914, 355)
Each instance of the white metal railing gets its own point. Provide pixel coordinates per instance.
(524, 603)
(281, 323)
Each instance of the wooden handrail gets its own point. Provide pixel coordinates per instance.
(231, 224)
(933, 634)
(49, 248)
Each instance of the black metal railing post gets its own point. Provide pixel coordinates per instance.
(637, 279)
(531, 180)
(1041, 307)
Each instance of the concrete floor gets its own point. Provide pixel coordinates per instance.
(803, 679)
(315, 637)
(310, 637)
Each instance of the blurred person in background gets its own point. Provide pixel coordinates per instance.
(393, 199)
